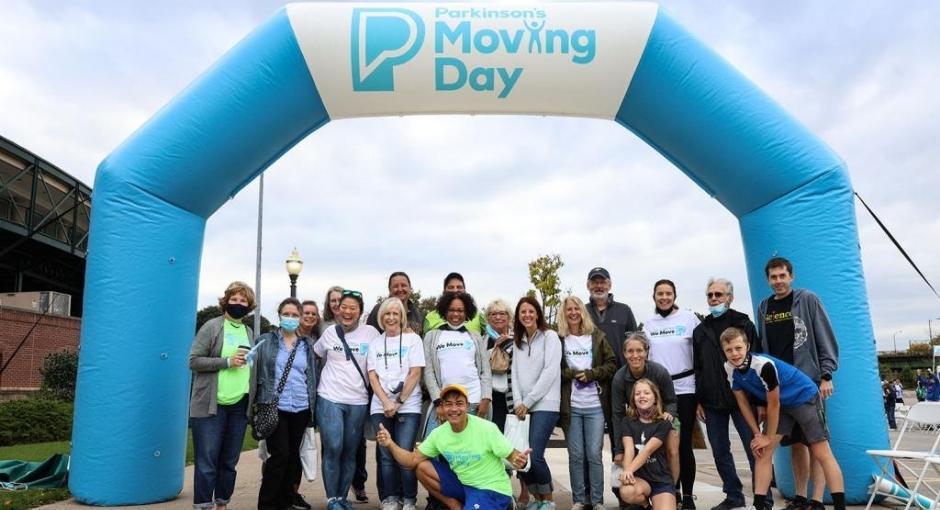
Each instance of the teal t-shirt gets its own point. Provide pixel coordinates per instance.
(233, 382)
(475, 455)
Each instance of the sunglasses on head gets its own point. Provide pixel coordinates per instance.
(353, 293)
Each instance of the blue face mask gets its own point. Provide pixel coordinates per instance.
(290, 324)
(718, 310)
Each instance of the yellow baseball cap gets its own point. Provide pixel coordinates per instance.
(459, 388)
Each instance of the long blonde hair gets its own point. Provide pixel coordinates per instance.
(587, 324)
(631, 406)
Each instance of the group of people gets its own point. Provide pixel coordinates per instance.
(470, 371)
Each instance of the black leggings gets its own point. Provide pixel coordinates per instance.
(687, 405)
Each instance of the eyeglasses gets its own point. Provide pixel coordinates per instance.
(353, 293)
(710, 295)
(498, 314)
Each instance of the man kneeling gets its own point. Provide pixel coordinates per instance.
(471, 474)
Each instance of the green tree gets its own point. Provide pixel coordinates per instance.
(543, 274)
(59, 370)
(213, 311)
(425, 304)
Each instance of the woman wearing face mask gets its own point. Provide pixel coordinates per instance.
(396, 358)
(455, 355)
(536, 391)
(670, 333)
(286, 374)
(221, 390)
(343, 403)
(587, 366)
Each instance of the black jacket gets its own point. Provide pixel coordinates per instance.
(618, 320)
(712, 388)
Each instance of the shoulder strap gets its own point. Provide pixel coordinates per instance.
(287, 367)
(349, 355)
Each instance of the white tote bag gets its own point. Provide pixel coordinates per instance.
(517, 432)
(308, 454)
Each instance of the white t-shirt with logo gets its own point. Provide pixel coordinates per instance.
(391, 361)
(456, 354)
(340, 382)
(671, 345)
(579, 354)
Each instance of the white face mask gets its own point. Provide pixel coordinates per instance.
(718, 310)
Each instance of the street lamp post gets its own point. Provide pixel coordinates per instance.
(896, 340)
(294, 266)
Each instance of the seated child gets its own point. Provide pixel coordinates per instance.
(646, 474)
(792, 399)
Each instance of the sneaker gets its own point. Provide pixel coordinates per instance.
(688, 502)
(547, 505)
(727, 504)
(598, 506)
(410, 504)
(344, 504)
(391, 503)
(817, 505)
(360, 493)
(333, 504)
(298, 503)
(577, 506)
(798, 503)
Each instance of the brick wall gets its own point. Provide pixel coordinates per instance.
(52, 334)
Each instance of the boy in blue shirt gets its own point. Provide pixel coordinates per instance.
(792, 398)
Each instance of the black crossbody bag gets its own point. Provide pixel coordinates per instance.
(264, 416)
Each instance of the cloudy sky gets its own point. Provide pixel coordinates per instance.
(485, 195)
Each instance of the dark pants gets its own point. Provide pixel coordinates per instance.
(687, 405)
(716, 426)
(539, 476)
(889, 410)
(500, 410)
(360, 476)
(217, 443)
(277, 482)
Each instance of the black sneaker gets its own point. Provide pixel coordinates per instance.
(727, 504)
(361, 495)
(798, 503)
(688, 502)
(816, 505)
(298, 502)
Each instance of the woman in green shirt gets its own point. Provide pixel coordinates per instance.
(218, 407)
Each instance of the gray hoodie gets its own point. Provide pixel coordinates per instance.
(536, 372)
(815, 351)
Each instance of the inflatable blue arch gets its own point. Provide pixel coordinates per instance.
(312, 63)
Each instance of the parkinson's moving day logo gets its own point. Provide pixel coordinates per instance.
(384, 39)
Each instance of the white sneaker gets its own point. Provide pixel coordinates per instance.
(410, 504)
(391, 503)
(577, 506)
(598, 506)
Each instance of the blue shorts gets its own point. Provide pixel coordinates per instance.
(661, 488)
(471, 497)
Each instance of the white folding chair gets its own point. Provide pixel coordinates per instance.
(910, 462)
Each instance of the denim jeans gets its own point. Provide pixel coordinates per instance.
(716, 426)
(585, 436)
(397, 482)
(539, 477)
(340, 433)
(217, 443)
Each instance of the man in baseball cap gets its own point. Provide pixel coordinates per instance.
(460, 463)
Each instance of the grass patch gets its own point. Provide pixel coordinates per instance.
(37, 452)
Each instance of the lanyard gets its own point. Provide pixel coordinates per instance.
(385, 343)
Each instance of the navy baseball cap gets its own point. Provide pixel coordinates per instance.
(598, 271)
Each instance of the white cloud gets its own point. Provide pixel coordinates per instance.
(484, 195)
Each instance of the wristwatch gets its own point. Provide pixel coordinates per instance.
(826, 377)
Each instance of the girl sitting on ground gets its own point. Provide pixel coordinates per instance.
(646, 474)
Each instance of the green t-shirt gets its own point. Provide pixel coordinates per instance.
(475, 455)
(433, 321)
(233, 382)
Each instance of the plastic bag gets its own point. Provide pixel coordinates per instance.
(517, 432)
(308, 454)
